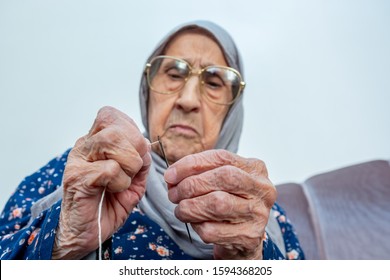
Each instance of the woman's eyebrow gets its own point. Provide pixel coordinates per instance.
(202, 65)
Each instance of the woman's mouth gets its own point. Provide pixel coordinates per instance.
(182, 129)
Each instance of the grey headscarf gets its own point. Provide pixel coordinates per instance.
(155, 203)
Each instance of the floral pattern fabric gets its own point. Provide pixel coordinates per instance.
(139, 238)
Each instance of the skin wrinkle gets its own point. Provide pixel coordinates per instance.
(105, 144)
(115, 171)
(208, 160)
(109, 126)
(77, 147)
(187, 215)
(212, 233)
(237, 210)
(119, 222)
(105, 118)
(190, 185)
(74, 230)
(246, 240)
(222, 206)
(221, 179)
(105, 176)
(264, 193)
(227, 178)
(205, 231)
(223, 157)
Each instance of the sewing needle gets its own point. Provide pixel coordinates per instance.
(166, 162)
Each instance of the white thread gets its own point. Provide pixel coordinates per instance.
(100, 214)
(100, 223)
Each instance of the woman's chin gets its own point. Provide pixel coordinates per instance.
(176, 152)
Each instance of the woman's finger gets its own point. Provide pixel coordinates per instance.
(201, 162)
(225, 178)
(222, 207)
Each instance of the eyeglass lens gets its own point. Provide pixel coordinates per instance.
(168, 75)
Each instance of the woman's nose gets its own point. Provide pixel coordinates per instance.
(189, 97)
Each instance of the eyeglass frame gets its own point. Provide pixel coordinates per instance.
(148, 65)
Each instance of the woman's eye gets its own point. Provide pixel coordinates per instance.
(214, 83)
(175, 74)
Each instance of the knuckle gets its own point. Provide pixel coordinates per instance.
(104, 117)
(112, 169)
(108, 114)
(268, 190)
(207, 232)
(182, 212)
(110, 137)
(224, 156)
(107, 172)
(135, 165)
(261, 167)
(139, 142)
(187, 188)
(105, 110)
(226, 171)
(73, 174)
(251, 233)
(132, 122)
(98, 140)
(256, 210)
(273, 194)
(266, 195)
(255, 166)
(256, 231)
(212, 158)
(197, 161)
(70, 177)
(221, 204)
(229, 172)
(253, 241)
(178, 212)
(79, 142)
(228, 178)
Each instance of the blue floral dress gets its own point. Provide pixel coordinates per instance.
(139, 238)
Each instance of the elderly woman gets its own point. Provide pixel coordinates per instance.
(113, 196)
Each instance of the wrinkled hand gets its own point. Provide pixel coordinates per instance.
(113, 155)
(226, 198)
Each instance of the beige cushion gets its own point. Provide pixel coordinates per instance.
(342, 214)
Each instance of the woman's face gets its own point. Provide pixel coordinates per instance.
(186, 122)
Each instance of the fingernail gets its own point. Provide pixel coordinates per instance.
(147, 159)
(170, 175)
(173, 195)
(148, 144)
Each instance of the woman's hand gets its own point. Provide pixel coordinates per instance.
(113, 156)
(226, 198)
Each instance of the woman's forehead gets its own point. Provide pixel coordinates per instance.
(196, 48)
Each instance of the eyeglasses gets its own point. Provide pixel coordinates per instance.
(219, 84)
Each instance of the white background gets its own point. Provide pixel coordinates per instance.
(317, 73)
(303, 270)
